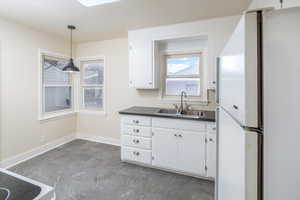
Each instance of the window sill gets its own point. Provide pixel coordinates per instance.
(56, 115)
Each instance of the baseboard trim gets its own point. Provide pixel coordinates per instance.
(15, 160)
(100, 139)
(10, 162)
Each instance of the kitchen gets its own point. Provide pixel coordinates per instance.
(156, 114)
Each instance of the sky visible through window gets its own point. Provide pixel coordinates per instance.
(183, 66)
(182, 75)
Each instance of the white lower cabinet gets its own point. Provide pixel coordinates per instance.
(164, 148)
(136, 155)
(211, 155)
(179, 150)
(184, 146)
(192, 152)
(137, 142)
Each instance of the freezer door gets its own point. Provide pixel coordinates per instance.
(282, 97)
(238, 72)
(237, 160)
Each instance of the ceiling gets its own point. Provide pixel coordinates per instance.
(113, 20)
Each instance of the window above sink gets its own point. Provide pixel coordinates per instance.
(182, 73)
(183, 67)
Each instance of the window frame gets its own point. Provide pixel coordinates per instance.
(82, 86)
(165, 76)
(41, 93)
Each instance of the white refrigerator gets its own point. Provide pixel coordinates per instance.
(258, 96)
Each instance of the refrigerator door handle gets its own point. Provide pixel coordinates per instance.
(218, 80)
(217, 155)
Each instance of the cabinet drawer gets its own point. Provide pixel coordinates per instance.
(136, 120)
(136, 155)
(136, 131)
(211, 127)
(188, 125)
(137, 142)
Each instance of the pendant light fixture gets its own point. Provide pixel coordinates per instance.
(70, 67)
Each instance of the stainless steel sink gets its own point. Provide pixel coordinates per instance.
(167, 111)
(190, 114)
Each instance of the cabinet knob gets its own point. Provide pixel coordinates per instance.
(235, 107)
(211, 140)
(136, 130)
(136, 153)
(180, 135)
(136, 141)
(135, 121)
(175, 135)
(214, 128)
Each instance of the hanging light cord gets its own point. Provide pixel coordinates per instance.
(71, 43)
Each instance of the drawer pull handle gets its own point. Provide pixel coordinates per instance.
(135, 121)
(136, 130)
(136, 141)
(177, 135)
(136, 153)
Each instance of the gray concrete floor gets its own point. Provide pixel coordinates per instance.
(82, 170)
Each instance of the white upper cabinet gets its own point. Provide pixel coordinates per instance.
(141, 68)
(144, 67)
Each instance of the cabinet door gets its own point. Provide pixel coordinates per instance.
(191, 157)
(164, 148)
(141, 73)
(211, 155)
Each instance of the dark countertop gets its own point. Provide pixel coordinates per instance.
(153, 112)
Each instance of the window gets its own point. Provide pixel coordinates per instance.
(92, 84)
(182, 73)
(56, 89)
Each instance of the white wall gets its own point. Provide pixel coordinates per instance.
(20, 129)
(118, 95)
(273, 3)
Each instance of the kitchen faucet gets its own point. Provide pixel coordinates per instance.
(180, 109)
